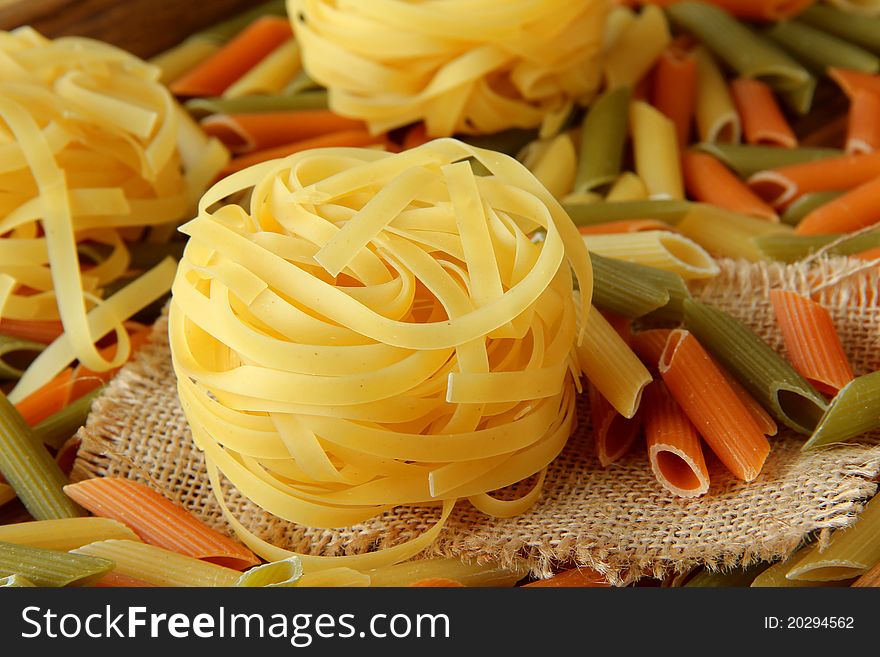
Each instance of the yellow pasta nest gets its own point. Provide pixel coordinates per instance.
(462, 66)
(92, 149)
(377, 330)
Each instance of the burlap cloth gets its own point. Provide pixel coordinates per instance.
(617, 520)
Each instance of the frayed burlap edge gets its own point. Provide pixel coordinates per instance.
(615, 520)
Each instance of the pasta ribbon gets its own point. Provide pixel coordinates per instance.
(377, 330)
(91, 147)
(474, 66)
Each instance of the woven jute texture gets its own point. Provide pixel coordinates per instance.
(617, 520)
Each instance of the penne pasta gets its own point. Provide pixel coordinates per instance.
(869, 579)
(709, 181)
(851, 211)
(709, 402)
(863, 124)
(468, 574)
(626, 288)
(30, 469)
(307, 100)
(726, 233)
(780, 186)
(656, 248)
(613, 434)
(674, 449)
(762, 119)
(336, 577)
(862, 31)
(746, 52)
(636, 48)
(791, 248)
(772, 381)
(863, 8)
(183, 57)
(811, 341)
(627, 187)
(14, 581)
(851, 413)
(556, 166)
(851, 552)
(715, 112)
(818, 50)
(7, 494)
(115, 580)
(603, 136)
(655, 149)
(675, 89)
(51, 567)
(591, 214)
(756, 10)
(56, 429)
(158, 566)
(609, 363)
(277, 574)
(158, 521)
(649, 345)
(64, 534)
(271, 74)
(624, 226)
(803, 205)
(12, 351)
(576, 577)
(774, 576)
(748, 160)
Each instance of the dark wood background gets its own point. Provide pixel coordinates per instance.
(144, 27)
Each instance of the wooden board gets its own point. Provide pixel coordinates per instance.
(144, 27)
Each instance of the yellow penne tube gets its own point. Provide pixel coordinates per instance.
(467, 574)
(727, 233)
(337, 577)
(14, 581)
(656, 248)
(284, 573)
(611, 365)
(65, 534)
(176, 61)
(556, 165)
(774, 576)
(154, 565)
(636, 48)
(618, 21)
(271, 74)
(851, 552)
(628, 187)
(717, 118)
(655, 146)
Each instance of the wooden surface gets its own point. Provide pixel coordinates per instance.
(144, 27)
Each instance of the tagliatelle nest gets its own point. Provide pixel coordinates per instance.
(462, 66)
(378, 330)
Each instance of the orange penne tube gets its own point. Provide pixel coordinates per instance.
(705, 395)
(215, 74)
(333, 139)
(856, 209)
(863, 126)
(675, 89)
(850, 81)
(708, 180)
(674, 448)
(437, 582)
(781, 186)
(649, 346)
(158, 521)
(759, 10)
(811, 341)
(582, 577)
(762, 120)
(416, 136)
(762, 418)
(625, 226)
(244, 133)
(44, 332)
(869, 255)
(613, 433)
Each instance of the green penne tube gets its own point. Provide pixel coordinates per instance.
(624, 287)
(743, 50)
(15, 581)
(50, 567)
(677, 290)
(861, 30)
(227, 29)
(15, 354)
(591, 214)
(202, 107)
(510, 141)
(746, 160)
(770, 379)
(30, 469)
(791, 248)
(603, 136)
(818, 50)
(283, 573)
(734, 578)
(855, 410)
(60, 426)
(803, 205)
(851, 552)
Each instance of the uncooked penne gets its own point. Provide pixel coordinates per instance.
(613, 434)
(65, 533)
(636, 48)
(656, 248)
(655, 148)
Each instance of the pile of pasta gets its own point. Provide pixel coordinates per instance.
(376, 330)
(466, 67)
(94, 152)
